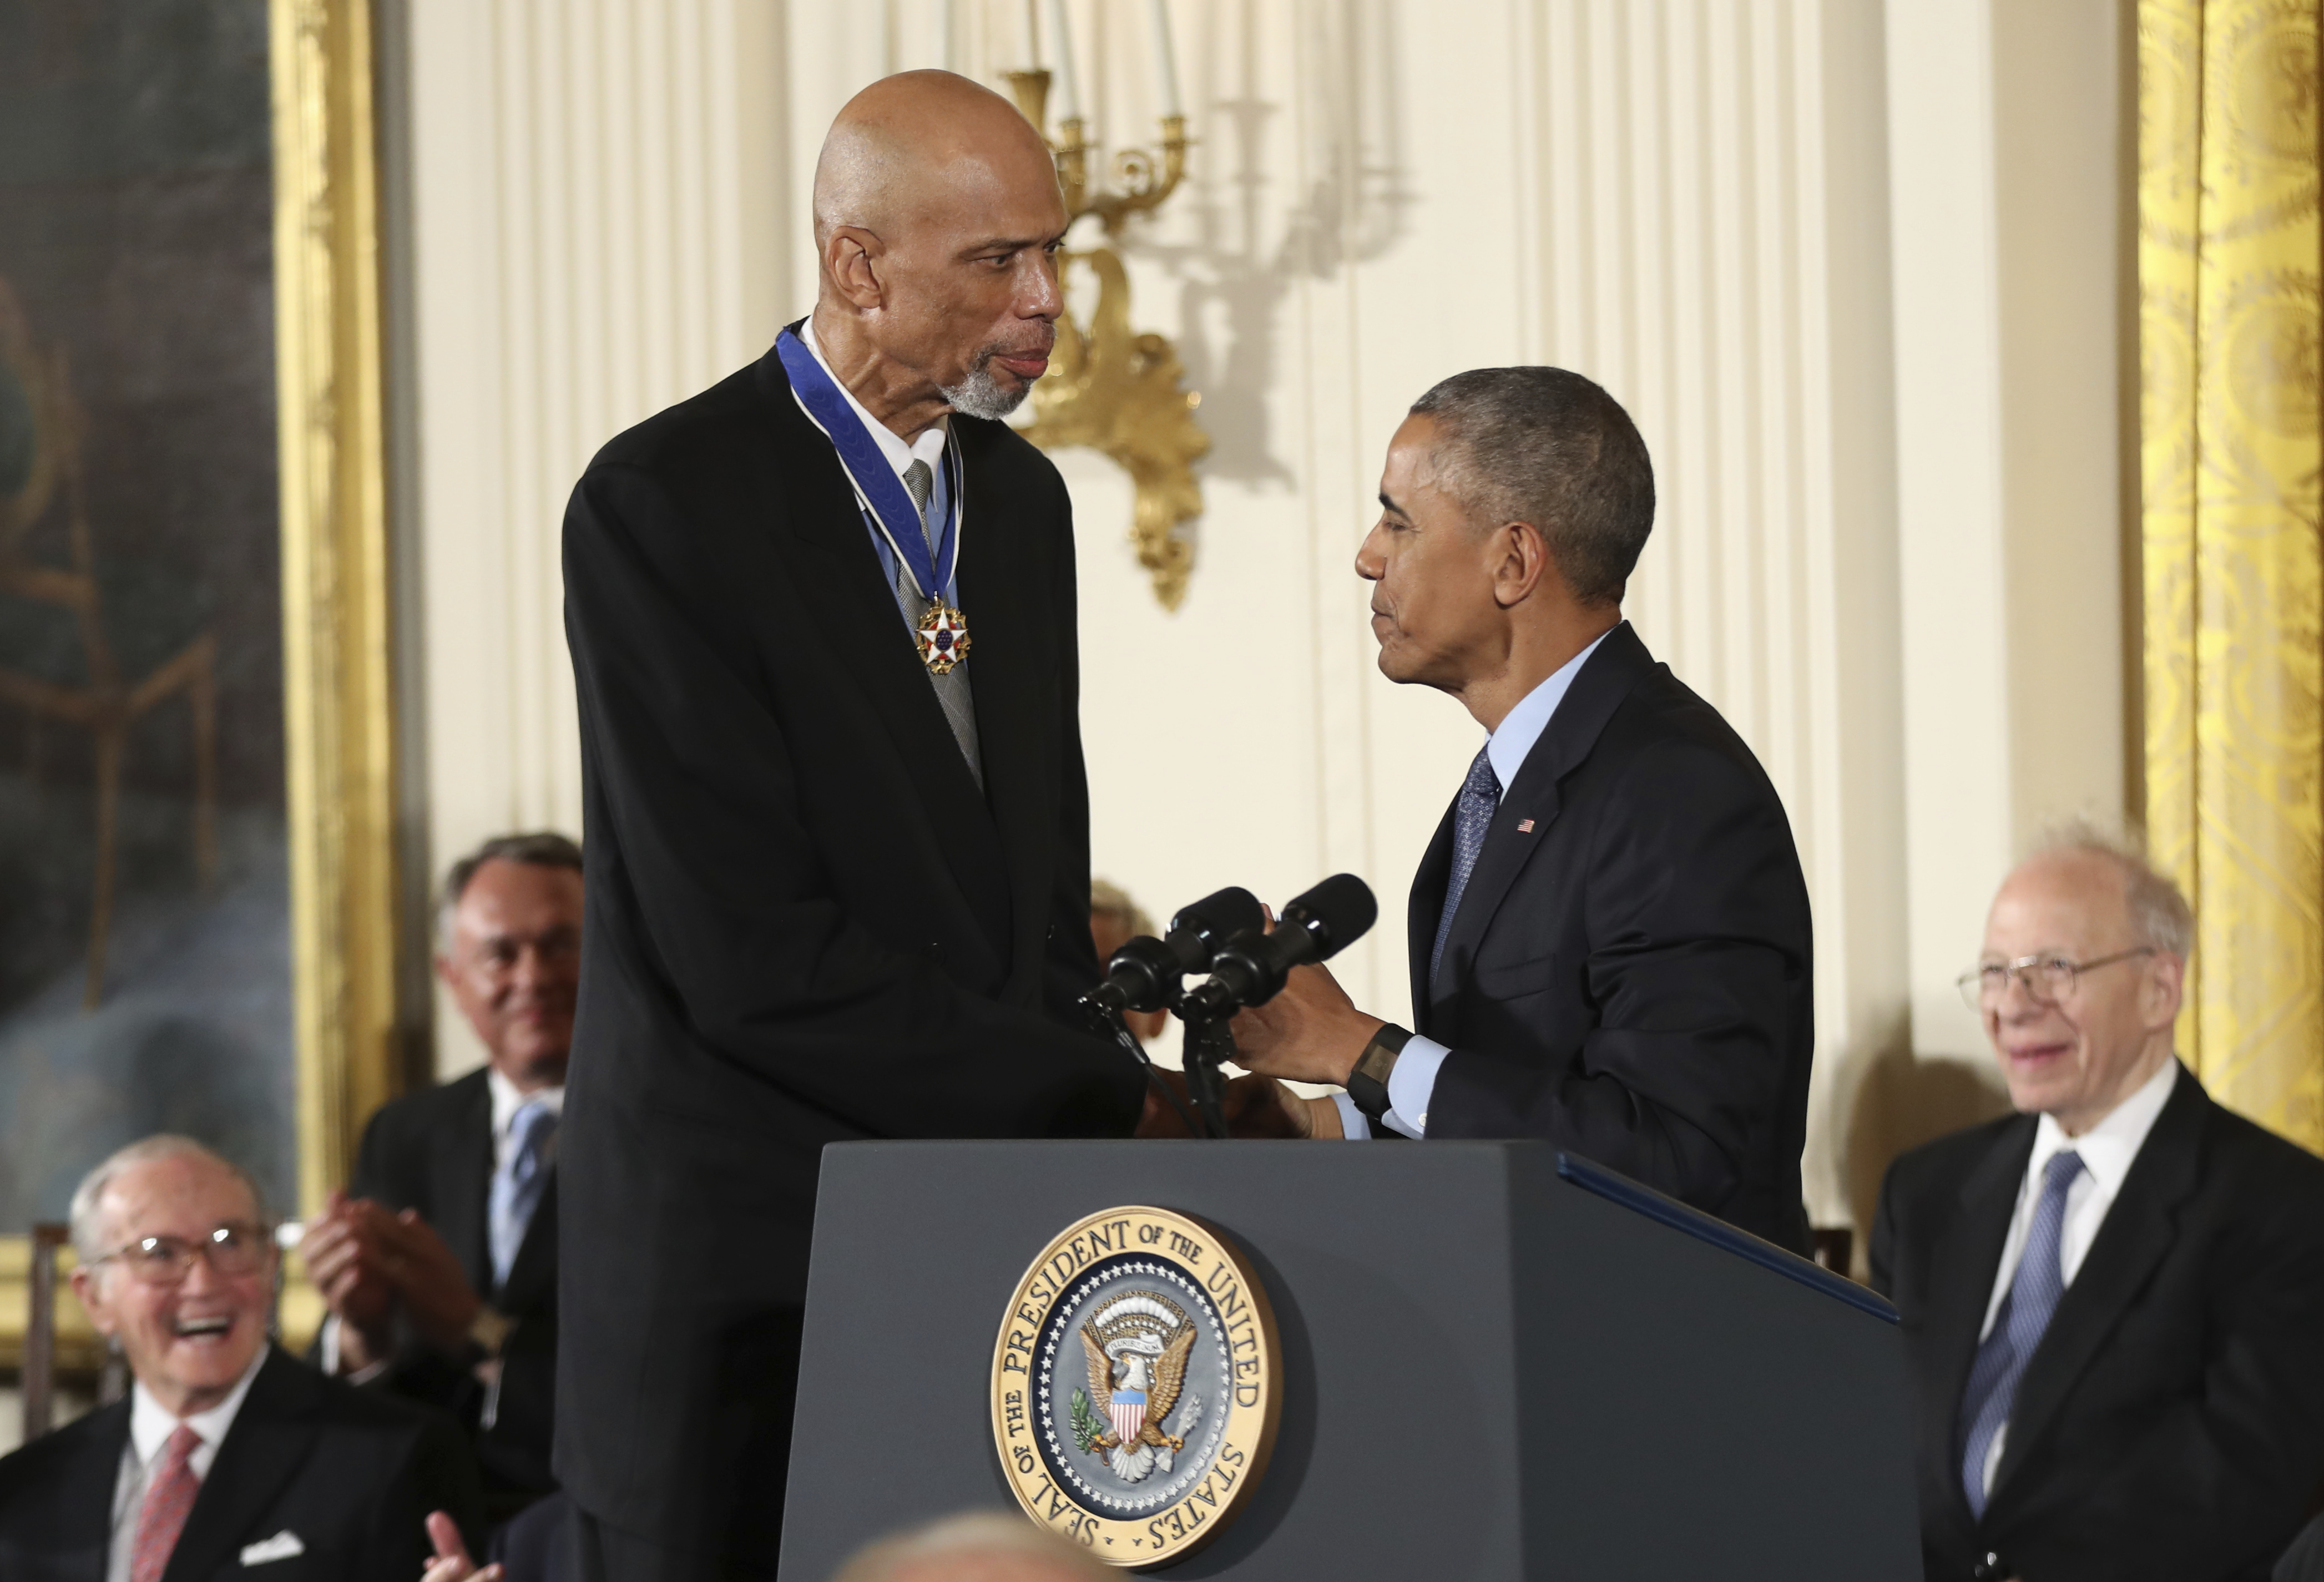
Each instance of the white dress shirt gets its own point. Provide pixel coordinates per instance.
(149, 1427)
(2108, 1151)
(1414, 1080)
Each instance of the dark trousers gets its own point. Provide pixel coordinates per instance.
(734, 1531)
(608, 1554)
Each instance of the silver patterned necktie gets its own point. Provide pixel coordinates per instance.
(952, 694)
(1480, 796)
(2017, 1329)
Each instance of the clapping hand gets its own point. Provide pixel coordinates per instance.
(364, 1260)
(436, 1296)
(345, 1251)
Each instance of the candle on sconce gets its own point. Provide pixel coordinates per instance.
(948, 19)
(1166, 59)
(1065, 102)
(1032, 36)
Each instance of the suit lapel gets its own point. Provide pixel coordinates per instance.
(462, 1184)
(271, 1438)
(855, 614)
(2138, 1231)
(1598, 689)
(1960, 1286)
(1013, 671)
(83, 1512)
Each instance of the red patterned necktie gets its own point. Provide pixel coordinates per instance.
(168, 1500)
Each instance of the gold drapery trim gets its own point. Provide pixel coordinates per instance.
(2230, 263)
(338, 682)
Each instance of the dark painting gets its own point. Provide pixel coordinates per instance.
(145, 978)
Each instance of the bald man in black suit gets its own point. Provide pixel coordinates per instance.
(838, 859)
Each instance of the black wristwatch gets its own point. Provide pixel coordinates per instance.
(1368, 1083)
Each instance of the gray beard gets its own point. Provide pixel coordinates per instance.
(979, 395)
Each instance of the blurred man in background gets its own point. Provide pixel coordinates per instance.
(2112, 1298)
(439, 1262)
(227, 1455)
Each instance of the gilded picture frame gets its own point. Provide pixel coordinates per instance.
(337, 678)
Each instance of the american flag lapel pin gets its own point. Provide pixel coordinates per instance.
(1524, 826)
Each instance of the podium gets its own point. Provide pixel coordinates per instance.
(1496, 1361)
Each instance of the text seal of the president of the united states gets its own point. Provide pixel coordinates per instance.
(1134, 1385)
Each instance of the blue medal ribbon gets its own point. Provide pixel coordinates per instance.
(877, 490)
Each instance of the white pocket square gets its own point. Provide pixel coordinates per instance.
(283, 1546)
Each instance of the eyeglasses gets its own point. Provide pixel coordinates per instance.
(236, 1250)
(2047, 978)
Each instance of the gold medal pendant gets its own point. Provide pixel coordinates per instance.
(944, 637)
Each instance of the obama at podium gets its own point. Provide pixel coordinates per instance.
(1608, 935)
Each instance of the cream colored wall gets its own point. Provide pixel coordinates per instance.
(1692, 201)
(2004, 142)
(596, 191)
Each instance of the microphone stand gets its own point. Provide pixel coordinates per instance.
(1109, 1024)
(1209, 1043)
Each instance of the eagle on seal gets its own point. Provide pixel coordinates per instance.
(1156, 1370)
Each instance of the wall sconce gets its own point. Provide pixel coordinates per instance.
(1109, 387)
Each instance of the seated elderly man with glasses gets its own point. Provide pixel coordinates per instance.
(2113, 1300)
(230, 1456)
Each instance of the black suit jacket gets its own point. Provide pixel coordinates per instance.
(1629, 974)
(2171, 1424)
(804, 922)
(433, 1151)
(351, 1473)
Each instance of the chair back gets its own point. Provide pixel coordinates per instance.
(41, 1330)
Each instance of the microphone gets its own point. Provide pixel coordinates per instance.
(1145, 973)
(1248, 969)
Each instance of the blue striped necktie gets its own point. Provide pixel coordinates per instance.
(1481, 795)
(519, 1183)
(2017, 1329)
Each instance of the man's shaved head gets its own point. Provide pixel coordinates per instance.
(912, 143)
(936, 211)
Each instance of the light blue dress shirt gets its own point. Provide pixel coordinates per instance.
(1414, 1080)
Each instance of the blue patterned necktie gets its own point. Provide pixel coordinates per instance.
(1480, 795)
(518, 1183)
(2018, 1327)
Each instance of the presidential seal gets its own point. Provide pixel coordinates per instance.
(1134, 1392)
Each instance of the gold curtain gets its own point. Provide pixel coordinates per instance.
(2229, 258)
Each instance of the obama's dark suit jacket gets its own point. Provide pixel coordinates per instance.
(805, 922)
(350, 1473)
(2170, 1426)
(432, 1151)
(1629, 975)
